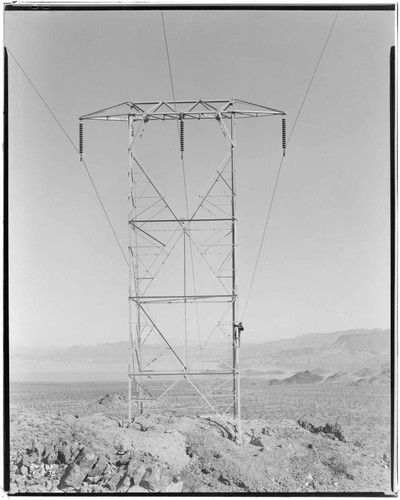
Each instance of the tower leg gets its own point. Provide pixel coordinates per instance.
(235, 332)
(237, 400)
(129, 401)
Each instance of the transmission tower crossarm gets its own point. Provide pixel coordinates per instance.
(183, 110)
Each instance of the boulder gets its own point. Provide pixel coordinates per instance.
(38, 476)
(131, 465)
(151, 479)
(72, 477)
(20, 481)
(54, 470)
(97, 488)
(86, 459)
(28, 459)
(38, 447)
(174, 487)
(92, 480)
(54, 484)
(124, 459)
(99, 466)
(50, 456)
(223, 479)
(259, 441)
(138, 473)
(241, 484)
(36, 488)
(114, 481)
(125, 483)
(156, 478)
(49, 484)
(75, 448)
(85, 489)
(64, 452)
(23, 470)
(267, 431)
(137, 489)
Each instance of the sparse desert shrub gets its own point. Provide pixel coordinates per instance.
(329, 429)
(335, 429)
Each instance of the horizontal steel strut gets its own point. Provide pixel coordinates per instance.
(177, 221)
(146, 373)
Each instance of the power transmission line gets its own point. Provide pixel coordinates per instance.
(168, 58)
(313, 76)
(173, 95)
(281, 164)
(76, 149)
(184, 177)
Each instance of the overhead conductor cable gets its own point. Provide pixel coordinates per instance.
(281, 162)
(180, 126)
(76, 149)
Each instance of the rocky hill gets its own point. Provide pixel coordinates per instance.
(341, 378)
(382, 378)
(305, 377)
(350, 350)
(367, 372)
(91, 452)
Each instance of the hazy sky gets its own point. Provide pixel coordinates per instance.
(325, 261)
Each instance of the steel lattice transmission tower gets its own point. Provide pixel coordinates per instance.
(207, 232)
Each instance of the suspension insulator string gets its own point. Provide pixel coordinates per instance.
(181, 135)
(284, 135)
(81, 140)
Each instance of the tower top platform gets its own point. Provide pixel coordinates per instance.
(199, 109)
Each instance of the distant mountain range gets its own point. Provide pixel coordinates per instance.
(349, 350)
(315, 357)
(346, 378)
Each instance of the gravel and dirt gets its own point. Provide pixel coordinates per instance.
(93, 451)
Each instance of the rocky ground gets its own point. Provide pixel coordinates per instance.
(93, 451)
